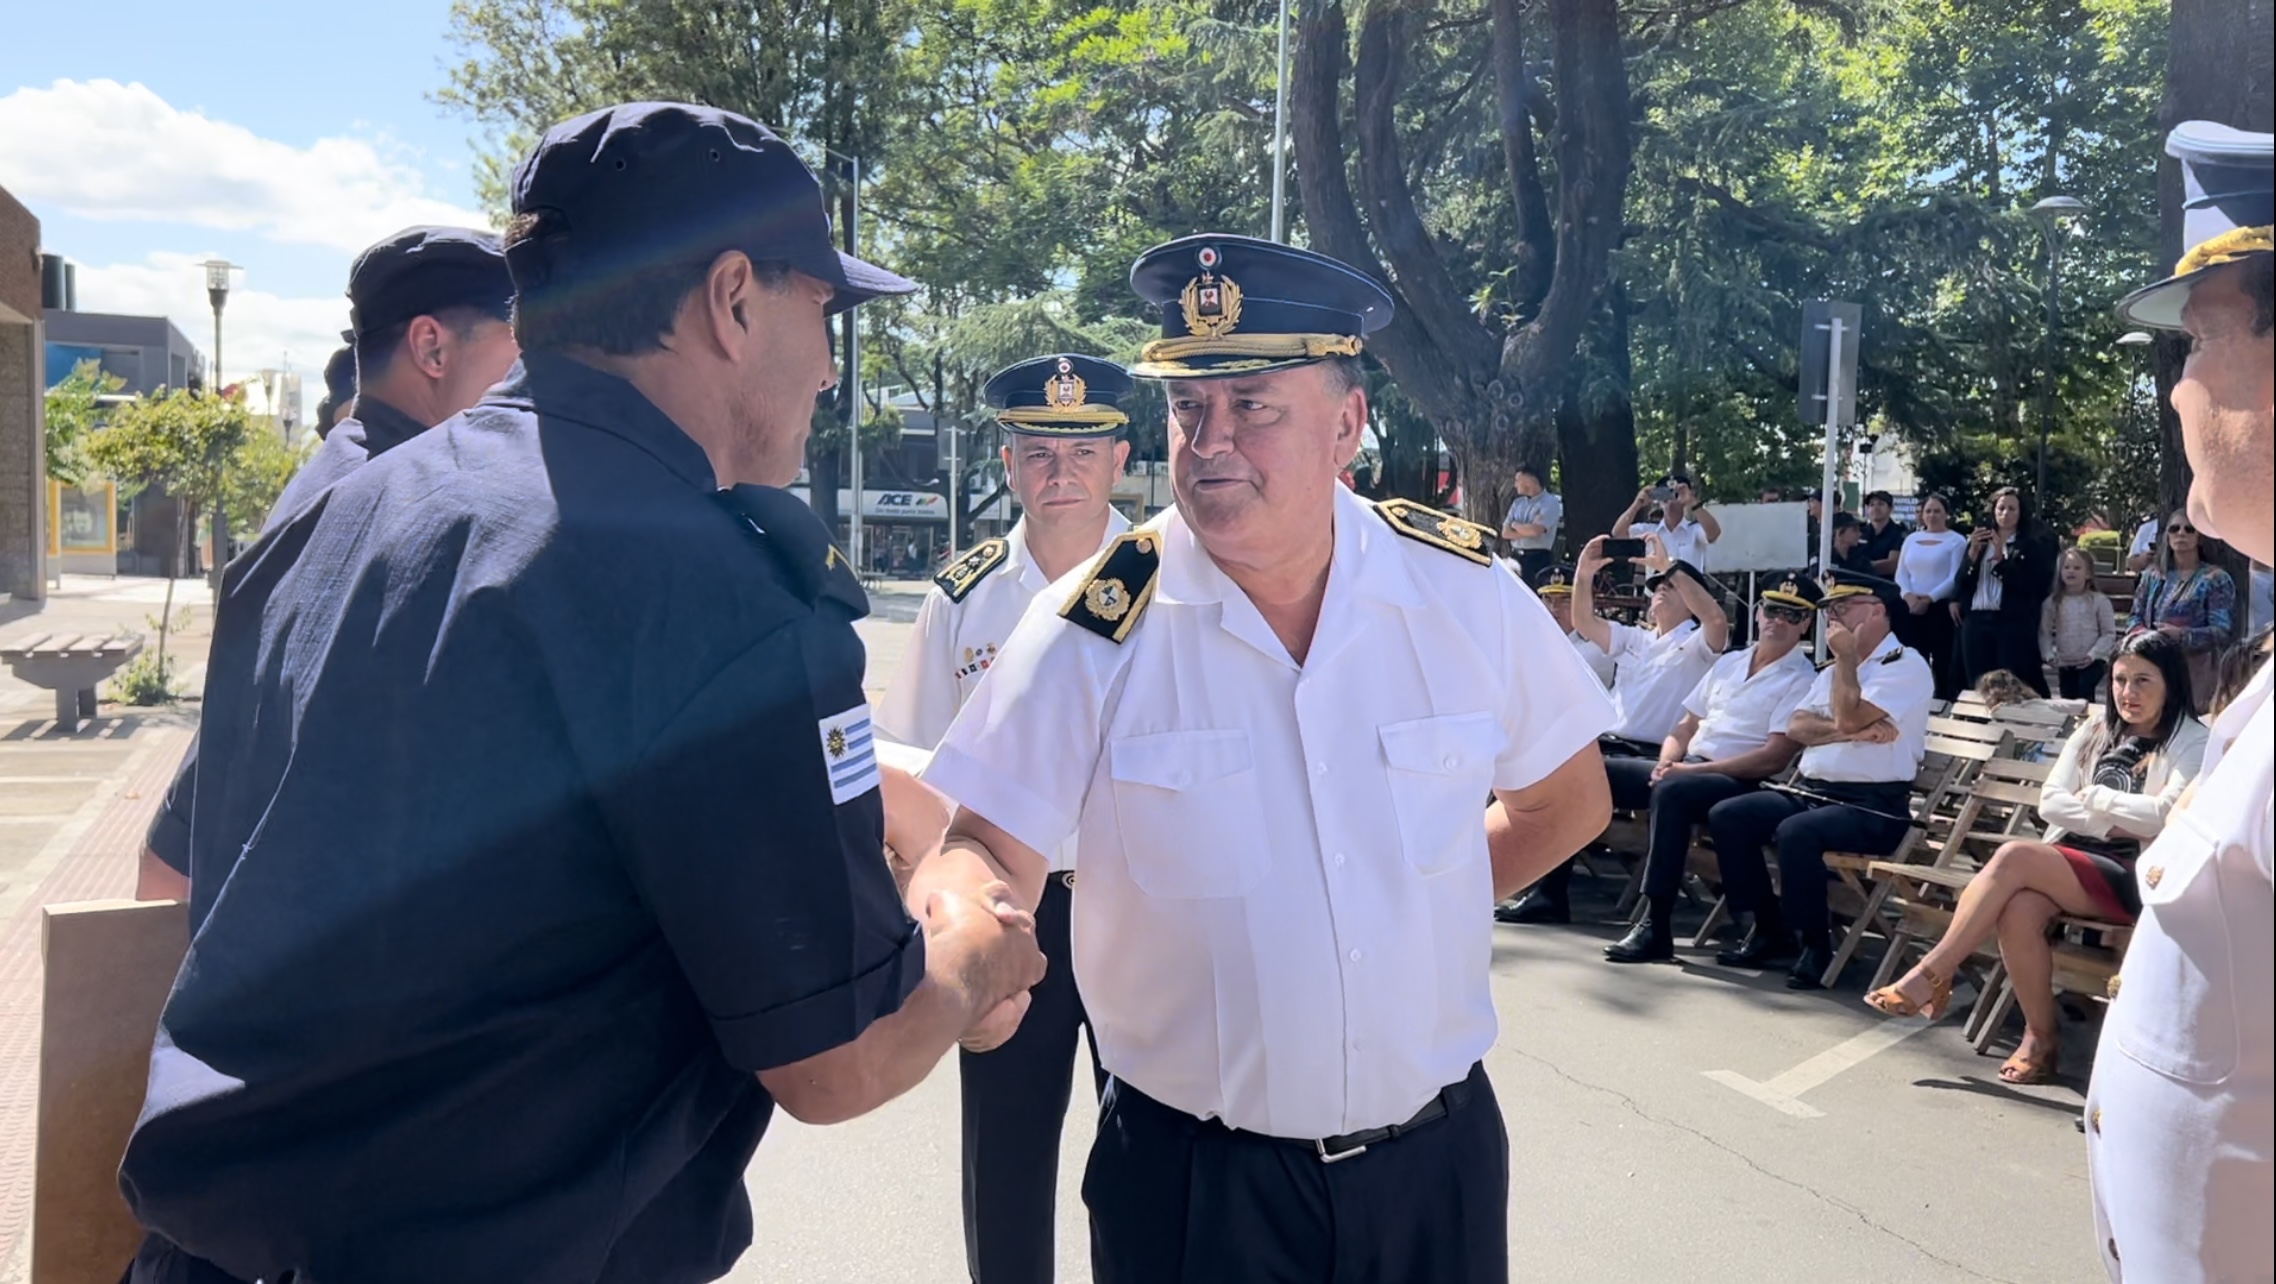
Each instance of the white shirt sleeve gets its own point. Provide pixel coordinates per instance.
(1554, 707)
(1022, 751)
(1789, 702)
(1695, 704)
(1902, 691)
(921, 703)
(1627, 640)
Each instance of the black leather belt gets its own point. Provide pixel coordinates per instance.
(1333, 1150)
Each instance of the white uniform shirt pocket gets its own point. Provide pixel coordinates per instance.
(1191, 816)
(1441, 773)
(2176, 1011)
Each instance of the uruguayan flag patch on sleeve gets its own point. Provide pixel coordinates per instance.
(849, 753)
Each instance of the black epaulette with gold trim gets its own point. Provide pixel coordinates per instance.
(1121, 583)
(964, 574)
(1437, 529)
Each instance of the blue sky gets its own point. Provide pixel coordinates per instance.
(282, 140)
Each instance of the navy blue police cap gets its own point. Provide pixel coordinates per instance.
(1064, 395)
(1842, 584)
(421, 271)
(1553, 581)
(2228, 179)
(641, 186)
(1797, 591)
(1236, 305)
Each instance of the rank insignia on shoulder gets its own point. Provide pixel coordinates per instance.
(1437, 529)
(964, 574)
(1121, 582)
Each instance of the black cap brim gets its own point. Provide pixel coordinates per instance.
(858, 282)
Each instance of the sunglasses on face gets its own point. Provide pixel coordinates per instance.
(2180, 530)
(1788, 614)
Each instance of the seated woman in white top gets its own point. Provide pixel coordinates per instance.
(1928, 566)
(2110, 793)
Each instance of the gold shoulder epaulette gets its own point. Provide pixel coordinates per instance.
(1437, 529)
(1111, 598)
(965, 573)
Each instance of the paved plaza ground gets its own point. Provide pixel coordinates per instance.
(1678, 1123)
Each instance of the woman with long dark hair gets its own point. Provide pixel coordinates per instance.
(2005, 577)
(2189, 600)
(1928, 567)
(2110, 793)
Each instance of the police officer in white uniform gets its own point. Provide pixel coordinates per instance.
(2182, 1108)
(1063, 453)
(1863, 728)
(1554, 587)
(1272, 715)
(1655, 669)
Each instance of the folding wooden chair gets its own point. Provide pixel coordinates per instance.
(2001, 805)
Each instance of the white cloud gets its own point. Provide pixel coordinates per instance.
(103, 150)
(258, 329)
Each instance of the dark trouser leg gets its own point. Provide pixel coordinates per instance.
(160, 1262)
(1015, 1100)
(1631, 780)
(1532, 561)
(2083, 682)
(1979, 647)
(1743, 827)
(1433, 1205)
(2019, 651)
(1803, 841)
(1176, 1201)
(1678, 803)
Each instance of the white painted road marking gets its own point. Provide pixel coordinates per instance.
(1784, 1093)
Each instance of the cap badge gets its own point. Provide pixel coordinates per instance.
(1790, 588)
(1556, 578)
(1212, 302)
(1109, 600)
(1067, 389)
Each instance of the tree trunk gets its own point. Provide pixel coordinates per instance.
(2220, 66)
(1596, 429)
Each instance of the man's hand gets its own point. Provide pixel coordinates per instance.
(1656, 559)
(1883, 732)
(1843, 644)
(1665, 770)
(1592, 560)
(997, 1028)
(985, 946)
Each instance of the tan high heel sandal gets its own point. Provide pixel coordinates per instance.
(1890, 1000)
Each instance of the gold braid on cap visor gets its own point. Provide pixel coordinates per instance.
(1043, 415)
(1281, 346)
(2228, 247)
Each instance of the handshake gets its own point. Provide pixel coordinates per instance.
(981, 946)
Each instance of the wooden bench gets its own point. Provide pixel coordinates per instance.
(72, 665)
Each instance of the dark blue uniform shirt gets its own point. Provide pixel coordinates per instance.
(376, 429)
(526, 860)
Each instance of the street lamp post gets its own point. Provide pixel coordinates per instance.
(2050, 215)
(1280, 137)
(217, 292)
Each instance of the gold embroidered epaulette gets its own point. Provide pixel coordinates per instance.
(1121, 583)
(964, 574)
(1437, 529)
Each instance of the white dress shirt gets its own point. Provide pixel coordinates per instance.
(1656, 671)
(1684, 543)
(1739, 711)
(1990, 588)
(1598, 660)
(1898, 683)
(954, 645)
(1929, 563)
(2180, 1112)
(1282, 918)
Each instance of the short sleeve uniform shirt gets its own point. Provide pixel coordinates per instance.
(1279, 920)
(1654, 673)
(1543, 509)
(550, 819)
(1739, 711)
(1684, 543)
(1898, 683)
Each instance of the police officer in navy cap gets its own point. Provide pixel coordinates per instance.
(429, 333)
(1063, 421)
(1863, 728)
(549, 856)
(2181, 1116)
(1269, 717)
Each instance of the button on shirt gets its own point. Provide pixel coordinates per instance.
(1738, 712)
(2181, 1157)
(1656, 671)
(1901, 687)
(545, 828)
(1543, 509)
(1685, 543)
(1281, 920)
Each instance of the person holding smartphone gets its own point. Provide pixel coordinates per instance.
(1685, 528)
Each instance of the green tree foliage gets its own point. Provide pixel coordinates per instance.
(74, 410)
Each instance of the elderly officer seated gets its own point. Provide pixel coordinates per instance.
(1731, 739)
(1655, 668)
(1554, 586)
(1270, 714)
(1863, 728)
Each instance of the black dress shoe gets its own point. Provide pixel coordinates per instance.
(1808, 972)
(1644, 943)
(1533, 907)
(1765, 946)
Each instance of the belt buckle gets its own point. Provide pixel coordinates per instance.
(1336, 1157)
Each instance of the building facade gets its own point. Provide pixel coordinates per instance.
(23, 403)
